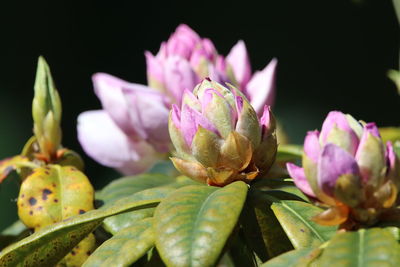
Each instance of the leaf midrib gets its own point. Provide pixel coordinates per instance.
(196, 222)
(360, 248)
(304, 221)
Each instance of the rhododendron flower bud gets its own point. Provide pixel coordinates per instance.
(347, 167)
(218, 136)
(46, 112)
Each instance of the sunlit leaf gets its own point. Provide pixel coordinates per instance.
(365, 247)
(50, 244)
(125, 247)
(295, 219)
(127, 186)
(294, 258)
(193, 224)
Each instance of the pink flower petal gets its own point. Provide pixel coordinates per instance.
(299, 179)
(261, 88)
(333, 163)
(239, 60)
(103, 141)
(179, 76)
(311, 145)
(109, 90)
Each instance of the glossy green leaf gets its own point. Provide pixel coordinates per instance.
(125, 247)
(193, 224)
(295, 218)
(294, 258)
(127, 186)
(366, 248)
(49, 245)
(289, 152)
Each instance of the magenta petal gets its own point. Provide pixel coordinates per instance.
(154, 68)
(239, 61)
(372, 129)
(333, 163)
(261, 88)
(390, 156)
(190, 121)
(176, 116)
(148, 111)
(109, 90)
(299, 179)
(266, 116)
(179, 76)
(209, 48)
(103, 141)
(312, 146)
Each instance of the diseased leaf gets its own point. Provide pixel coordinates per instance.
(193, 224)
(50, 244)
(366, 248)
(295, 219)
(125, 247)
(53, 193)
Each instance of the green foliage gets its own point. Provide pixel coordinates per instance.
(294, 217)
(295, 258)
(193, 224)
(125, 247)
(289, 152)
(50, 244)
(127, 186)
(371, 247)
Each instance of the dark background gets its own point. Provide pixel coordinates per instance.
(332, 55)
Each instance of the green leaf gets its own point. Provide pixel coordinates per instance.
(389, 134)
(164, 167)
(262, 230)
(295, 218)
(49, 245)
(193, 224)
(366, 248)
(127, 186)
(125, 247)
(240, 253)
(289, 152)
(294, 258)
(282, 184)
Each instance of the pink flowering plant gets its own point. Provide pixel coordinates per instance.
(206, 180)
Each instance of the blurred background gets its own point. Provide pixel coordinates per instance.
(332, 55)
